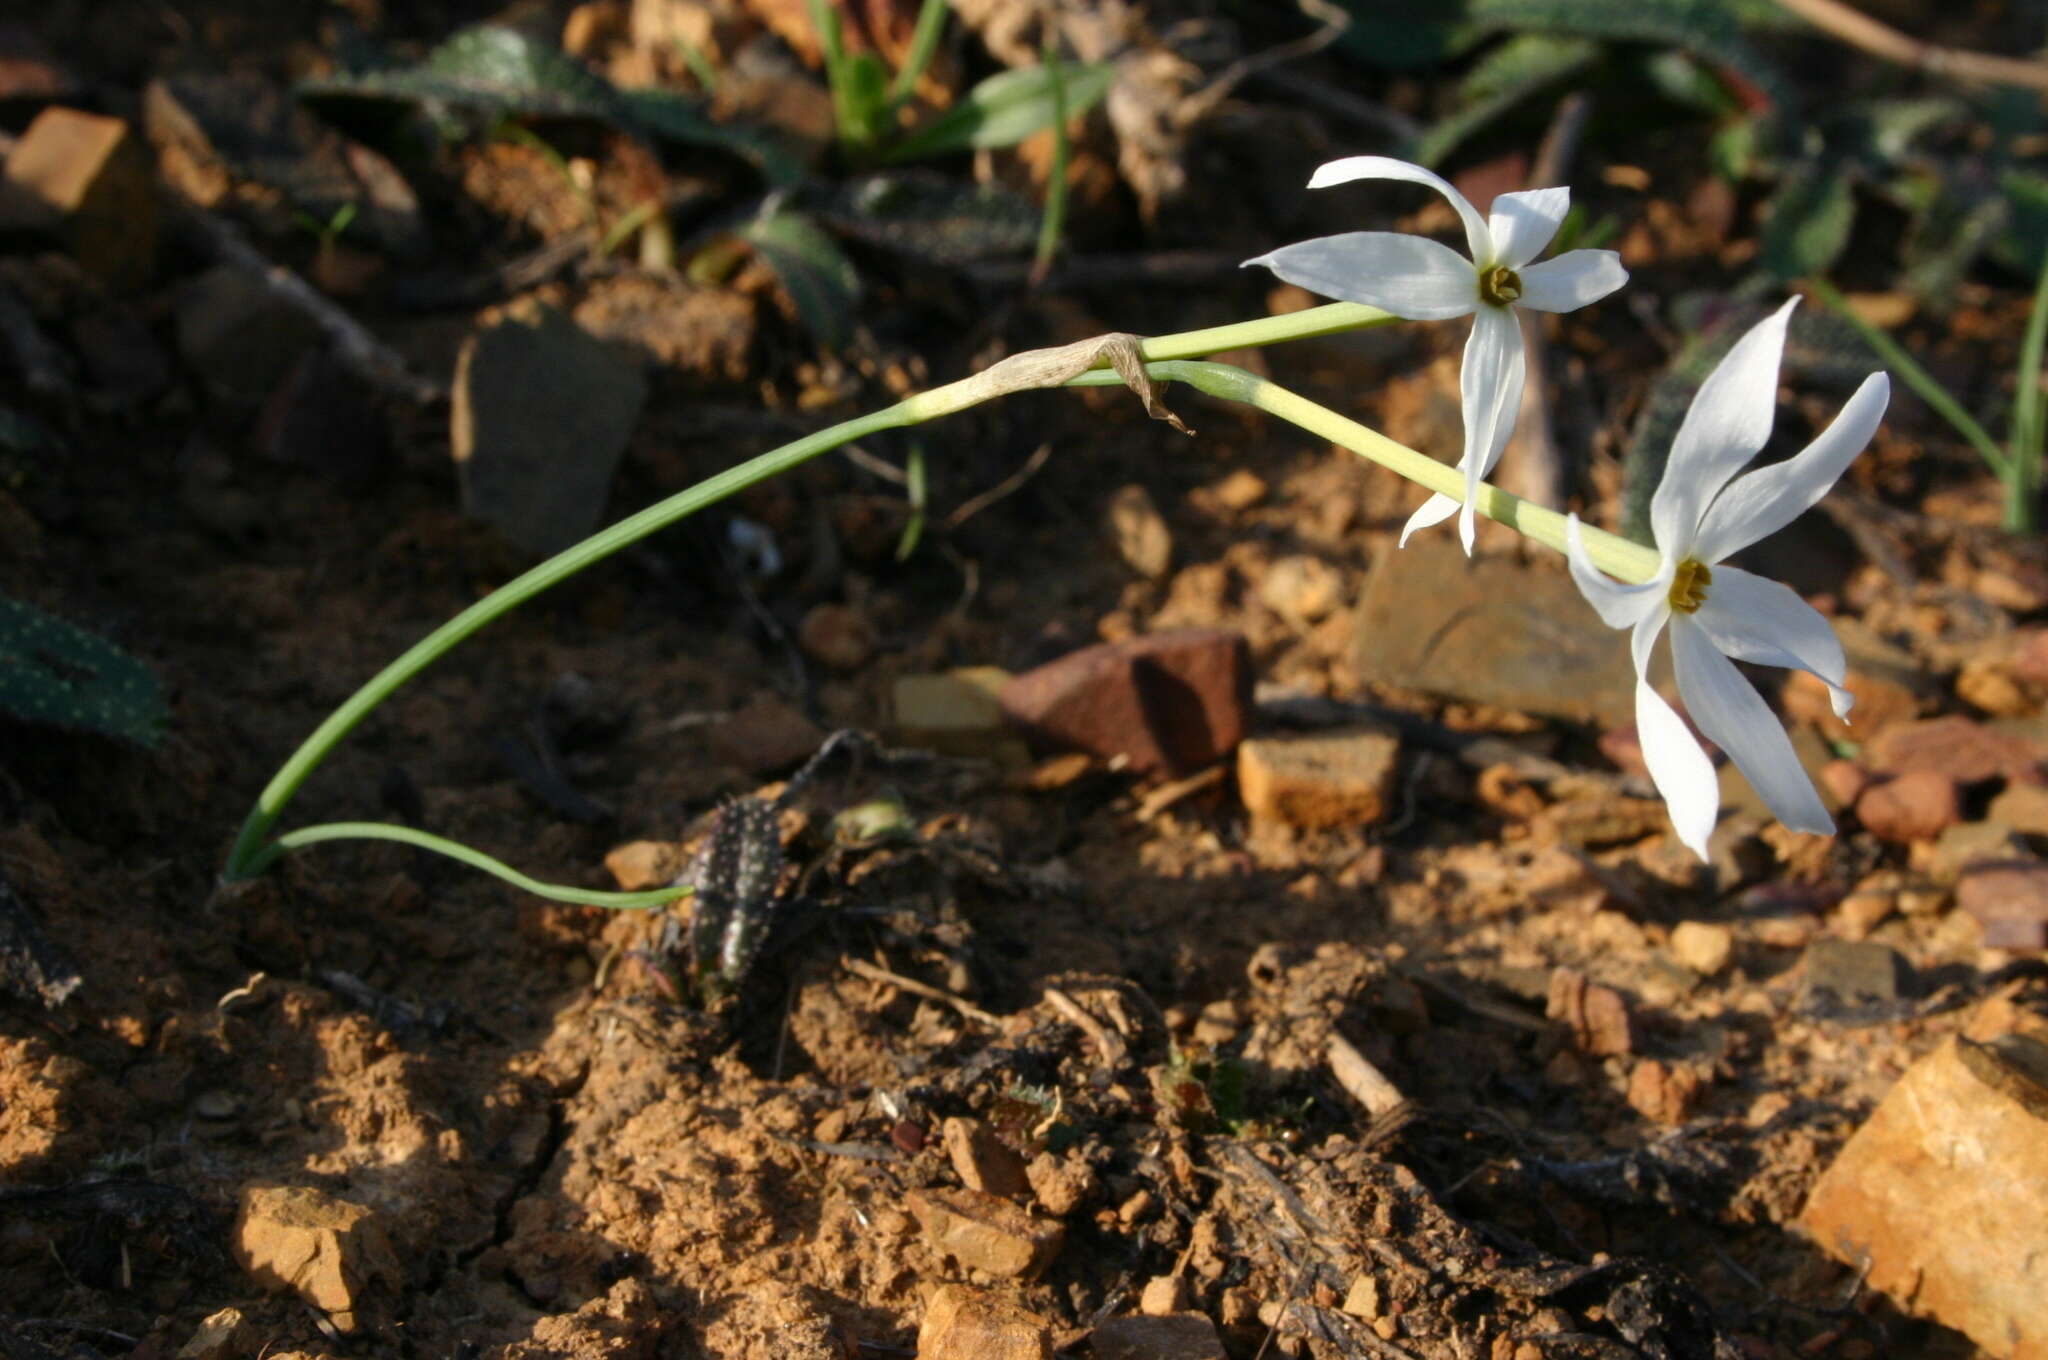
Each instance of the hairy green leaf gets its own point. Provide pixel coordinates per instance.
(1809, 221)
(55, 672)
(819, 278)
(1008, 107)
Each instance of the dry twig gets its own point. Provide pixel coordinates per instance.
(1860, 31)
(862, 968)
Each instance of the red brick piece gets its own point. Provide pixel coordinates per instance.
(1172, 702)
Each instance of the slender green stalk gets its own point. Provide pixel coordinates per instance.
(1923, 383)
(2023, 472)
(1054, 222)
(456, 850)
(251, 852)
(1613, 554)
(924, 45)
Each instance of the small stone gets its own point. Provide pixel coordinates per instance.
(1850, 975)
(1918, 805)
(1366, 1298)
(638, 866)
(224, 1335)
(2023, 807)
(982, 1160)
(1965, 751)
(1163, 1295)
(1219, 1023)
(1301, 589)
(1862, 912)
(839, 636)
(217, 1104)
(324, 1249)
(2010, 901)
(1703, 946)
(982, 1232)
(1844, 781)
(2021, 587)
(1880, 703)
(1061, 1184)
(1177, 1336)
(539, 416)
(240, 336)
(29, 73)
(1241, 490)
(1142, 538)
(1943, 1193)
(1962, 847)
(970, 1324)
(1494, 631)
(1988, 683)
(1597, 1016)
(765, 735)
(85, 180)
(958, 713)
(1171, 702)
(1662, 1092)
(1318, 780)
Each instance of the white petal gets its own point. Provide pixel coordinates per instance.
(1619, 605)
(1570, 281)
(1753, 618)
(1734, 717)
(1490, 381)
(1678, 766)
(1521, 224)
(1433, 511)
(1410, 276)
(1729, 421)
(1762, 502)
(1386, 167)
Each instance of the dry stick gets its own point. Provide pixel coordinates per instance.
(1538, 465)
(1361, 1079)
(1861, 31)
(862, 968)
(1112, 1045)
(360, 350)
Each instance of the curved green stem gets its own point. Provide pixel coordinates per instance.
(1617, 556)
(456, 850)
(250, 853)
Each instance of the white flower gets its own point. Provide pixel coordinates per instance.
(1715, 612)
(1414, 277)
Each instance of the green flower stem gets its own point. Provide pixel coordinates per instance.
(253, 851)
(475, 859)
(1613, 554)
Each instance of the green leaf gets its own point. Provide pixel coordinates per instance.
(57, 673)
(1008, 107)
(860, 98)
(931, 217)
(819, 278)
(1512, 72)
(1809, 221)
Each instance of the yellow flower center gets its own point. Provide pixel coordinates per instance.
(1689, 585)
(1499, 285)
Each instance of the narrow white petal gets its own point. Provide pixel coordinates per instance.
(1734, 717)
(1521, 224)
(1570, 281)
(1386, 167)
(1433, 511)
(1753, 618)
(1762, 502)
(1729, 421)
(1619, 606)
(1678, 766)
(1490, 382)
(1410, 276)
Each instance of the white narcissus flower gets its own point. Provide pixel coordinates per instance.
(1715, 612)
(1416, 278)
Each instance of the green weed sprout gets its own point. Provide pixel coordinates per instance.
(2018, 464)
(1631, 585)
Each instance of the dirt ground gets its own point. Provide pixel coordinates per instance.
(1130, 995)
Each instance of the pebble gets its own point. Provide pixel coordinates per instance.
(1061, 1184)
(638, 866)
(1880, 703)
(1163, 1295)
(1965, 751)
(1918, 805)
(1170, 702)
(225, 1335)
(1862, 912)
(983, 1232)
(1853, 974)
(327, 1250)
(1844, 781)
(2023, 807)
(1300, 588)
(1320, 780)
(87, 181)
(957, 713)
(1944, 1191)
(2010, 901)
(971, 1324)
(838, 636)
(765, 735)
(982, 1160)
(1139, 530)
(1241, 490)
(1597, 1016)
(1957, 849)
(1663, 1092)
(1703, 946)
(1176, 1336)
